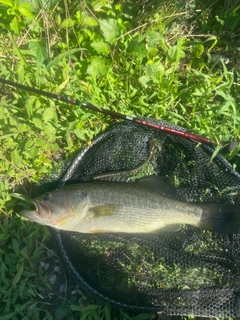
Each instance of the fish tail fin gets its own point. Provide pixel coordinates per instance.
(223, 218)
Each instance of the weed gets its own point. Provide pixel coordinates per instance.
(142, 59)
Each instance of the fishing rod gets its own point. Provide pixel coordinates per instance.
(114, 114)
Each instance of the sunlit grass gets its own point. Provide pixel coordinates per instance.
(137, 59)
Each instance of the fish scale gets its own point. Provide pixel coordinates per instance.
(135, 207)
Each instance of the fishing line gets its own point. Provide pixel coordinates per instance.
(114, 114)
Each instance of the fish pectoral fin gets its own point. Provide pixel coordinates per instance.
(82, 207)
(104, 210)
(170, 228)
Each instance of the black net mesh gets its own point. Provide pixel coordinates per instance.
(190, 272)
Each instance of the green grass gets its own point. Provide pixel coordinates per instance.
(142, 59)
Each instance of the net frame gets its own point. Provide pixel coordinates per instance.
(198, 179)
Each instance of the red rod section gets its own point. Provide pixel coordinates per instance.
(107, 112)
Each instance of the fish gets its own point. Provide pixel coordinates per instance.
(144, 206)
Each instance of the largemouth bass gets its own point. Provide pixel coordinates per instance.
(136, 207)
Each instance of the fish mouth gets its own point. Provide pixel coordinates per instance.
(41, 208)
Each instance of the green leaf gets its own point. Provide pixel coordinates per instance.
(98, 67)
(107, 313)
(101, 47)
(9, 316)
(215, 41)
(21, 72)
(110, 30)
(50, 131)
(173, 54)
(69, 139)
(38, 122)
(231, 21)
(153, 70)
(67, 23)
(19, 196)
(89, 22)
(33, 152)
(74, 307)
(3, 274)
(39, 50)
(18, 52)
(152, 52)
(46, 235)
(91, 307)
(68, 53)
(197, 50)
(137, 49)
(7, 2)
(216, 151)
(2, 113)
(18, 274)
(81, 134)
(7, 135)
(17, 159)
(25, 10)
(22, 127)
(61, 86)
(29, 106)
(153, 38)
(15, 25)
(15, 245)
(49, 114)
(144, 80)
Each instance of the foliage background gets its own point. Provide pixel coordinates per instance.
(179, 62)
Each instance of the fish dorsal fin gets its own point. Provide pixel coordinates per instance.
(160, 184)
(103, 210)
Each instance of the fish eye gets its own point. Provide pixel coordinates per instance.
(46, 196)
